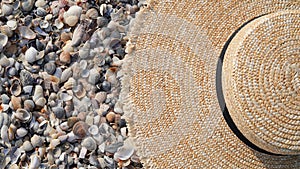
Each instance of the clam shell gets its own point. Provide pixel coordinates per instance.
(27, 146)
(35, 162)
(4, 62)
(41, 12)
(124, 153)
(16, 88)
(59, 112)
(21, 132)
(36, 141)
(6, 30)
(50, 68)
(79, 91)
(44, 24)
(23, 115)
(15, 102)
(89, 143)
(31, 55)
(26, 32)
(27, 5)
(54, 143)
(6, 9)
(77, 35)
(58, 23)
(70, 83)
(66, 74)
(92, 13)
(41, 102)
(40, 3)
(12, 24)
(80, 129)
(65, 57)
(3, 40)
(71, 20)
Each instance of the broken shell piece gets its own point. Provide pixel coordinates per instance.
(21, 132)
(26, 32)
(23, 115)
(89, 143)
(36, 141)
(3, 40)
(124, 152)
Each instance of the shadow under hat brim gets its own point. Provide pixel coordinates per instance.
(169, 85)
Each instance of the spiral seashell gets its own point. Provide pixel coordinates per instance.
(80, 129)
(23, 115)
(89, 143)
(26, 32)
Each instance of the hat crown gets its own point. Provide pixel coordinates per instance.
(261, 82)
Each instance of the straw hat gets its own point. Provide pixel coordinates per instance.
(215, 84)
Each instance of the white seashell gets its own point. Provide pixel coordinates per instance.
(93, 129)
(89, 143)
(38, 93)
(54, 143)
(78, 34)
(64, 126)
(6, 9)
(103, 9)
(31, 55)
(71, 20)
(36, 141)
(23, 115)
(94, 76)
(27, 146)
(83, 152)
(58, 23)
(12, 24)
(35, 162)
(125, 152)
(3, 40)
(21, 132)
(4, 133)
(26, 32)
(73, 11)
(92, 13)
(41, 102)
(40, 3)
(66, 74)
(102, 162)
(44, 24)
(4, 61)
(70, 83)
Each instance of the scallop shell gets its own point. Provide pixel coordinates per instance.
(26, 32)
(21, 132)
(89, 143)
(36, 141)
(80, 129)
(3, 40)
(23, 115)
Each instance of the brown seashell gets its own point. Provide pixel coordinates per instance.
(92, 13)
(80, 129)
(82, 116)
(15, 102)
(65, 57)
(71, 20)
(110, 116)
(65, 36)
(72, 121)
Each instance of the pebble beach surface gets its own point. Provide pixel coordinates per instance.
(59, 84)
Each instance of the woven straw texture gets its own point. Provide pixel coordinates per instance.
(261, 81)
(169, 84)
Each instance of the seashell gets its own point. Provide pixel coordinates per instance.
(27, 146)
(94, 76)
(21, 132)
(27, 5)
(4, 62)
(29, 105)
(44, 24)
(89, 143)
(77, 35)
(11, 132)
(50, 68)
(41, 12)
(31, 55)
(124, 153)
(15, 88)
(54, 143)
(80, 129)
(63, 3)
(3, 40)
(38, 93)
(73, 11)
(59, 112)
(6, 30)
(4, 133)
(79, 91)
(72, 121)
(26, 78)
(15, 102)
(26, 32)
(92, 13)
(12, 24)
(36, 141)
(6, 9)
(70, 83)
(65, 36)
(64, 126)
(65, 96)
(110, 117)
(66, 74)
(83, 152)
(114, 42)
(11, 71)
(23, 115)
(40, 3)
(84, 52)
(28, 89)
(65, 57)
(93, 129)
(71, 20)
(35, 162)
(104, 33)
(15, 155)
(58, 24)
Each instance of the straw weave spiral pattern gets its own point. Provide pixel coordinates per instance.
(169, 84)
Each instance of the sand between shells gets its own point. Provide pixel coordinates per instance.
(59, 79)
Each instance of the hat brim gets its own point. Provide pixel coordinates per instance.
(169, 87)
